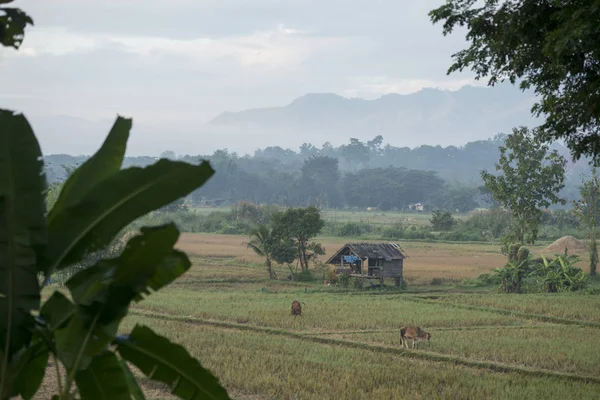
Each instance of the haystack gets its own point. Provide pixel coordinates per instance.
(573, 244)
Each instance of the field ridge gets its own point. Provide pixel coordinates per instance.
(513, 313)
(423, 355)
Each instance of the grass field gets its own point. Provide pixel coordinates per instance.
(375, 217)
(346, 345)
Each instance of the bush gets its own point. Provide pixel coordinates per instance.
(306, 275)
(442, 220)
(236, 228)
(415, 233)
(559, 274)
(256, 214)
(350, 229)
(460, 236)
(524, 275)
(488, 224)
(359, 283)
(511, 276)
(344, 280)
(332, 277)
(437, 282)
(393, 232)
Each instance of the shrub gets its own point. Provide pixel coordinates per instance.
(306, 275)
(350, 229)
(489, 224)
(256, 214)
(358, 283)
(393, 232)
(442, 220)
(332, 277)
(511, 275)
(559, 274)
(344, 279)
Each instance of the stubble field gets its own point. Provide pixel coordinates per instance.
(347, 346)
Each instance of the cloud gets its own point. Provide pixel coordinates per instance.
(266, 50)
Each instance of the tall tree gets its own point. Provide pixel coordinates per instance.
(320, 176)
(550, 46)
(588, 211)
(300, 225)
(530, 179)
(355, 153)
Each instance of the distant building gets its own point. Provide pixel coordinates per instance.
(417, 207)
(371, 261)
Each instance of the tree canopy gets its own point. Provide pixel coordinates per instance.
(549, 46)
(300, 225)
(530, 179)
(13, 22)
(394, 177)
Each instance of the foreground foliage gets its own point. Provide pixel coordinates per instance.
(12, 25)
(550, 46)
(79, 330)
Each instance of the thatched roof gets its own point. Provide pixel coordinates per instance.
(386, 251)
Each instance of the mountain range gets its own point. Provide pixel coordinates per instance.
(429, 116)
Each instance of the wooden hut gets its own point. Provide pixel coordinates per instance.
(371, 261)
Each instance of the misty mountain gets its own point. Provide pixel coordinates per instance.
(429, 116)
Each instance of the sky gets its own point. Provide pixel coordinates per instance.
(177, 64)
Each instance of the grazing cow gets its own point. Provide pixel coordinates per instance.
(296, 308)
(415, 334)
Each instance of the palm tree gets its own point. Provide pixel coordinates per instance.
(262, 241)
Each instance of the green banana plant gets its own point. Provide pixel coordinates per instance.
(512, 274)
(559, 274)
(78, 330)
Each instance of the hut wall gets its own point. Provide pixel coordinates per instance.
(393, 269)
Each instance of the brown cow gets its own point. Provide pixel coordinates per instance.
(296, 308)
(415, 334)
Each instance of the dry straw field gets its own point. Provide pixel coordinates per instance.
(346, 345)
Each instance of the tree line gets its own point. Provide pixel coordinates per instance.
(356, 175)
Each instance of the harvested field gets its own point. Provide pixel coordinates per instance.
(228, 313)
(426, 261)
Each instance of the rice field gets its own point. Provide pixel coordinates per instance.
(346, 345)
